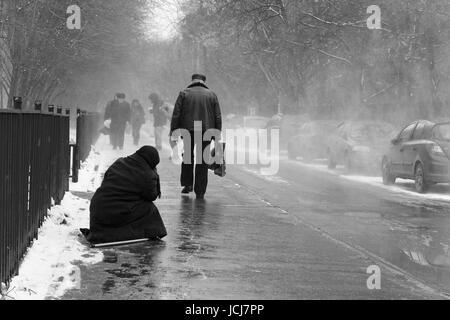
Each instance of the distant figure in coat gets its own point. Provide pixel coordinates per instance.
(161, 115)
(137, 120)
(118, 112)
(196, 103)
(122, 208)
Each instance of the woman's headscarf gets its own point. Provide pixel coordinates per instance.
(150, 155)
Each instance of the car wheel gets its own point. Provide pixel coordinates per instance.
(291, 154)
(331, 162)
(388, 178)
(348, 162)
(419, 179)
(307, 158)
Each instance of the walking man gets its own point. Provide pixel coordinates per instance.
(197, 103)
(118, 111)
(160, 115)
(107, 119)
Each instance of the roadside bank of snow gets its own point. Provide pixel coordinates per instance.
(402, 186)
(438, 192)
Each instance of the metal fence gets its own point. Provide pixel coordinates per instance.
(34, 169)
(88, 131)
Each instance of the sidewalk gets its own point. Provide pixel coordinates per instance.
(233, 245)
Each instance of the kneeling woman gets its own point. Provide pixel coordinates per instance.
(122, 208)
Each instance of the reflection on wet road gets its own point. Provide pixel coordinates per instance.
(409, 231)
(301, 235)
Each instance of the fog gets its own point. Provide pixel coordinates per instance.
(326, 85)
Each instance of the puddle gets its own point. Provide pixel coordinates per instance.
(362, 214)
(108, 285)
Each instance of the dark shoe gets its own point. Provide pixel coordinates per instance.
(110, 256)
(187, 190)
(200, 196)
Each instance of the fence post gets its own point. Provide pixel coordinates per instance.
(18, 103)
(76, 150)
(38, 105)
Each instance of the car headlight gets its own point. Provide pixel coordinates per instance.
(361, 149)
(436, 150)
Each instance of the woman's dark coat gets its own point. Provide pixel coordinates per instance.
(122, 208)
(137, 115)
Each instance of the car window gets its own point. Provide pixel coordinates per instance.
(359, 132)
(342, 131)
(418, 133)
(305, 129)
(406, 134)
(442, 132)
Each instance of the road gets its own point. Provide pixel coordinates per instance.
(303, 234)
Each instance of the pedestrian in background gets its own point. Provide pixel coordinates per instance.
(118, 112)
(107, 118)
(161, 116)
(137, 120)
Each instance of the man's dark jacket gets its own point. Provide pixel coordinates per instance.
(119, 113)
(197, 103)
(122, 208)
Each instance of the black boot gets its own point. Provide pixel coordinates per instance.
(187, 190)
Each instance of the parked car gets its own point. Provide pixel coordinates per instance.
(420, 152)
(311, 141)
(359, 145)
(255, 122)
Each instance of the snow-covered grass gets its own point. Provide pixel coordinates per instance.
(50, 267)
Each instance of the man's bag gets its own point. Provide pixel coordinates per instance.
(105, 131)
(219, 166)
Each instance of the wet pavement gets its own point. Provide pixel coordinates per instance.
(305, 235)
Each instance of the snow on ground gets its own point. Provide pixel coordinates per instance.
(406, 187)
(401, 186)
(50, 267)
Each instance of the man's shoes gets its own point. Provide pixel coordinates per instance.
(187, 190)
(200, 196)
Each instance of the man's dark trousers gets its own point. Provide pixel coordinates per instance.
(118, 136)
(201, 169)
